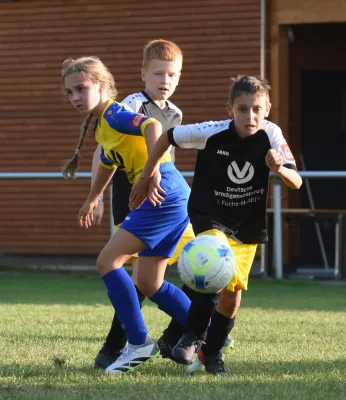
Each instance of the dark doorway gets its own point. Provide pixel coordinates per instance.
(317, 130)
(323, 146)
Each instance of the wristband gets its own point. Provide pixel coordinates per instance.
(101, 200)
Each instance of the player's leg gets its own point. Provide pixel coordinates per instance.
(116, 338)
(223, 319)
(150, 276)
(200, 313)
(169, 298)
(174, 330)
(123, 296)
(222, 323)
(161, 240)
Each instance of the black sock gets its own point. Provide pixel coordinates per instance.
(174, 330)
(116, 338)
(201, 310)
(219, 329)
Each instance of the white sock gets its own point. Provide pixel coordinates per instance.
(148, 340)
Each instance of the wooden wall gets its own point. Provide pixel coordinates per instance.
(38, 128)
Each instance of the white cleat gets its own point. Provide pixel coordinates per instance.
(197, 364)
(133, 356)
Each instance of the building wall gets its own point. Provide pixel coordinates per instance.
(39, 130)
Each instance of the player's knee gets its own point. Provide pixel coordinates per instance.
(104, 264)
(148, 288)
(229, 303)
(101, 265)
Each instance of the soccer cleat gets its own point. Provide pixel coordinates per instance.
(185, 349)
(229, 344)
(214, 365)
(166, 348)
(199, 361)
(133, 356)
(105, 358)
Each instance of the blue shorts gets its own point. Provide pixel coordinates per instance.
(162, 226)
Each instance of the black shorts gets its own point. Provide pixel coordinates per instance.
(121, 192)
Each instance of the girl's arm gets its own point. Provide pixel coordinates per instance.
(98, 213)
(103, 177)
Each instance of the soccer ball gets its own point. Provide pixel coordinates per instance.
(206, 264)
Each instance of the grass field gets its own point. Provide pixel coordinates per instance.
(290, 344)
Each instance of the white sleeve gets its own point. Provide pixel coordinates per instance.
(132, 102)
(195, 136)
(278, 142)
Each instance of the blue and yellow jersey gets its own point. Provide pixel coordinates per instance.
(120, 133)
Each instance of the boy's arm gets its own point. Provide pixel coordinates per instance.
(288, 174)
(290, 177)
(103, 177)
(280, 159)
(157, 145)
(156, 149)
(192, 136)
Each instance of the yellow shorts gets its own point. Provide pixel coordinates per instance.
(187, 236)
(244, 255)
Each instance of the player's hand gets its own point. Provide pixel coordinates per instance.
(155, 189)
(98, 213)
(86, 214)
(139, 192)
(274, 160)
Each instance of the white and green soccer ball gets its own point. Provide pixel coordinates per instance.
(206, 264)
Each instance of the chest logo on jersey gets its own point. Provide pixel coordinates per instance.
(223, 152)
(238, 175)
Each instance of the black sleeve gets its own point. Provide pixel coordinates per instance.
(290, 166)
(171, 138)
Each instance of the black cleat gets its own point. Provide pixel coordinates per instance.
(214, 365)
(105, 358)
(166, 348)
(185, 349)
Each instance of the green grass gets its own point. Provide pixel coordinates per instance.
(290, 344)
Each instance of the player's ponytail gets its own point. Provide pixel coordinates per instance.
(72, 165)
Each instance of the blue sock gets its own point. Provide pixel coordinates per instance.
(173, 302)
(123, 296)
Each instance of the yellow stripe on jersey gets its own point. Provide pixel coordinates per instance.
(120, 135)
(244, 255)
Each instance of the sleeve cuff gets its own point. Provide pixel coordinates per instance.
(290, 166)
(108, 166)
(170, 138)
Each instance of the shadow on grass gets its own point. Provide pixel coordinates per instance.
(164, 380)
(237, 369)
(90, 291)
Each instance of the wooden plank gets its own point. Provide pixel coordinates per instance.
(308, 211)
(308, 11)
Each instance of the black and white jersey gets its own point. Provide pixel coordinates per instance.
(229, 190)
(169, 117)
